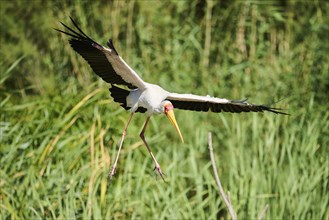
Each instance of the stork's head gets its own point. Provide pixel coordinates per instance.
(168, 110)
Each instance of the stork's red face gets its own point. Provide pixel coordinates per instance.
(169, 111)
(168, 107)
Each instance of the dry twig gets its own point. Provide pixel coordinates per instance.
(225, 198)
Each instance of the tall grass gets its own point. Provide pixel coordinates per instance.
(60, 129)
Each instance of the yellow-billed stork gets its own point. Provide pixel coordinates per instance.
(142, 96)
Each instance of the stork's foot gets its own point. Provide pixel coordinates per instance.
(158, 171)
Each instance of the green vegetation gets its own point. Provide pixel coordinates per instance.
(60, 129)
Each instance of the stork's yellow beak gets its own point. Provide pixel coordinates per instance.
(170, 114)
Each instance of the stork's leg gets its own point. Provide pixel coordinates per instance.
(120, 146)
(157, 166)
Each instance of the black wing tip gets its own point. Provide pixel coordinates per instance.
(57, 30)
(78, 35)
(81, 36)
(276, 110)
(73, 22)
(111, 46)
(262, 107)
(72, 19)
(279, 111)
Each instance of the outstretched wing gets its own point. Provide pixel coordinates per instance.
(207, 103)
(105, 62)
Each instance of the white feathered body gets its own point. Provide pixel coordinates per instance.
(150, 98)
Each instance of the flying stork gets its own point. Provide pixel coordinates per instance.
(142, 96)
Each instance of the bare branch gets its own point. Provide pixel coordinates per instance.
(226, 200)
(229, 197)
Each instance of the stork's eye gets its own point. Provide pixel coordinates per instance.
(167, 108)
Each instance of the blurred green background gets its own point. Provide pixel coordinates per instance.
(60, 129)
